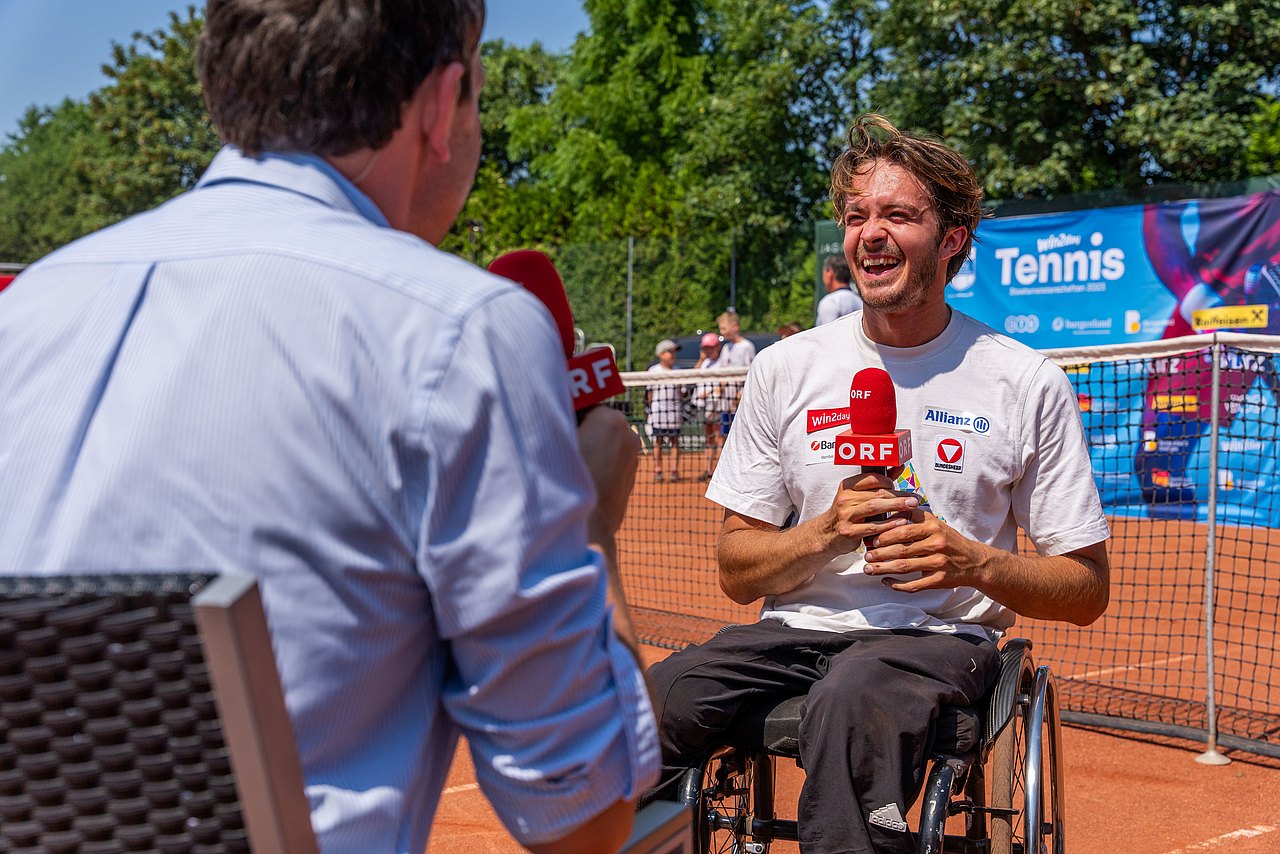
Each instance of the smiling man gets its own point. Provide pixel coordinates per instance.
(880, 637)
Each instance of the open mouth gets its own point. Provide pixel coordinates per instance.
(878, 266)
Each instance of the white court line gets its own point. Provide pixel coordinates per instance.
(1210, 844)
(1094, 674)
(453, 790)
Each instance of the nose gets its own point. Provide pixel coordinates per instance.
(874, 231)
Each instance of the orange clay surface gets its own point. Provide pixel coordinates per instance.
(1126, 794)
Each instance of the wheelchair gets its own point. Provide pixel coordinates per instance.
(997, 764)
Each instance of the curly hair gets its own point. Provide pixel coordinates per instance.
(941, 170)
(325, 77)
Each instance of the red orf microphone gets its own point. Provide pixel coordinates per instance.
(872, 440)
(593, 375)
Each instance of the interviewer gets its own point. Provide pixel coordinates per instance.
(277, 372)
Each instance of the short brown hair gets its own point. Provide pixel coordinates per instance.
(945, 175)
(839, 268)
(324, 77)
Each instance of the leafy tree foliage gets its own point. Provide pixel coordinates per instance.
(154, 137)
(1059, 96)
(703, 129)
(43, 181)
(141, 139)
(507, 208)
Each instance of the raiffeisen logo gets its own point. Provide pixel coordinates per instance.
(1061, 259)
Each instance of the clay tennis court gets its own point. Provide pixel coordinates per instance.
(1144, 658)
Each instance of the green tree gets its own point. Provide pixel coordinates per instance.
(154, 135)
(1263, 156)
(139, 140)
(43, 181)
(702, 128)
(507, 208)
(1050, 97)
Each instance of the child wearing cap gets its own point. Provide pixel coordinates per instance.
(665, 412)
(712, 399)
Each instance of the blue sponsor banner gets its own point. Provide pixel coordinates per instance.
(1127, 274)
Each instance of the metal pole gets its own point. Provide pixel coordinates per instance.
(1211, 756)
(733, 268)
(631, 262)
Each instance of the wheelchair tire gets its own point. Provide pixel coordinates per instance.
(736, 787)
(1026, 773)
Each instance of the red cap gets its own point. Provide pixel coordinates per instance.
(710, 339)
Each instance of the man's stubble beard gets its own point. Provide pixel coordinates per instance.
(912, 292)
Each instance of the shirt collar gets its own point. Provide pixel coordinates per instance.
(305, 174)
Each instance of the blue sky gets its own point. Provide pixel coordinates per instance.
(55, 49)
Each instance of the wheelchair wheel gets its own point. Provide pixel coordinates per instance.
(1028, 810)
(736, 786)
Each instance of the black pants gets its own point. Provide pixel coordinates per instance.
(871, 697)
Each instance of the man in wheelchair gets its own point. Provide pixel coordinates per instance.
(881, 621)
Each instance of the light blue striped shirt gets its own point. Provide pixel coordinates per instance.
(261, 375)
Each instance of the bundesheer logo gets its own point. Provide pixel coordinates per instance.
(949, 455)
(825, 419)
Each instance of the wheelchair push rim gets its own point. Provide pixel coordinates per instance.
(1028, 810)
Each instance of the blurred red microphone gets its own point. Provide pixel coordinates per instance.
(593, 375)
(871, 440)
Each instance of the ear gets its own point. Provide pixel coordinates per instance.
(952, 242)
(436, 102)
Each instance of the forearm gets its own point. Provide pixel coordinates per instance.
(760, 560)
(1074, 587)
(606, 544)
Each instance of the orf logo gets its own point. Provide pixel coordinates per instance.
(949, 455)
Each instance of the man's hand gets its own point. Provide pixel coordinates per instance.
(758, 559)
(927, 545)
(1073, 586)
(859, 498)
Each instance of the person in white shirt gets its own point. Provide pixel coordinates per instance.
(737, 351)
(710, 398)
(665, 413)
(840, 298)
(880, 621)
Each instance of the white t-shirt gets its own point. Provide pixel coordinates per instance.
(739, 355)
(712, 397)
(664, 404)
(997, 442)
(837, 304)
(736, 355)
